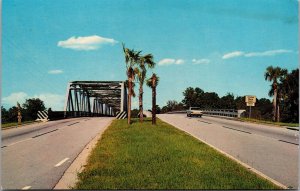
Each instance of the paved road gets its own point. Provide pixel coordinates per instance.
(273, 151)
(36, 156)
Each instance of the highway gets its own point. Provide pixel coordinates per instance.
(36, 156)
(272, 150)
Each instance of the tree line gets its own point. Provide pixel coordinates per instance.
(29, 111)
(284, 107)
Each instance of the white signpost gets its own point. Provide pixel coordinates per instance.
(250, 101)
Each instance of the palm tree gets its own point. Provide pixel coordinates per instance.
(152, 83)
(145, 61)
(131, 58)
(273, 75)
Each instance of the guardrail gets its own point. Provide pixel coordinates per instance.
(218, 112)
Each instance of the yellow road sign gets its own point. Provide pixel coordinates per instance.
(250, 100)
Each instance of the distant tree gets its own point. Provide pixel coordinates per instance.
(227, 101)
(32, 106)
(240, 102)
(265, 107)
(164, 109)
(273, 75)
(134, 113)
(12, 114)
(193, 97)
(289, 90)
(4, 115)
(211, 100)
(158, 110)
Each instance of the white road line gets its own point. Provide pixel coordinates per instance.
(19, 142)
(61, 162)
(26, 188)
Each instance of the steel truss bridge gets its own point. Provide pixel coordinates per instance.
(96, 98)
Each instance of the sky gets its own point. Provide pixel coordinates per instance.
(219, 46)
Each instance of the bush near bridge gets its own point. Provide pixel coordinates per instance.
(28, 110)
(142, 156)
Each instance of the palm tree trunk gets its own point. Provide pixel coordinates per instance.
(141, 102)
(278, 113)
(278, 107)
(153, 102)
(274, 104)
(129, 100)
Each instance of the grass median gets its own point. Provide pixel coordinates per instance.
(142, 156)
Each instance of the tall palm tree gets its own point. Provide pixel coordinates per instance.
(131, 59)
(273, 75)
(145, 61)
(152, 83)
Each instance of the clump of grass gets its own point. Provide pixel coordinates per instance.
(142, 156)
(270, 122)
(7, 125)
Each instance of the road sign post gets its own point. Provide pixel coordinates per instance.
(250, 101)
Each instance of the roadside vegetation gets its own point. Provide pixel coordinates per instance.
(284, 107)
(269, 122)
(143, 156)
(28, 111)
(13, 124)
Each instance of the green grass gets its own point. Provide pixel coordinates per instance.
(143, 156)
(270, 122)
(7, 125)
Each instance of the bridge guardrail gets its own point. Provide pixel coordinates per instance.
(217, 112)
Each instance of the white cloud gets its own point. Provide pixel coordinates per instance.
(13, 98)
(55, 72)
(86, 43)
(268, 53)
(169, 61)
(232, 54)
(55, 101)
(201, 61)
(256, 54)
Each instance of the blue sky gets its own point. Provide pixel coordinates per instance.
(219, 46)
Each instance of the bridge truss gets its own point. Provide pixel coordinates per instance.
(95, 98)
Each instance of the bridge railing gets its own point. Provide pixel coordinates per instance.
(218, 112)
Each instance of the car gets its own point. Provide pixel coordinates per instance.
(194, 111)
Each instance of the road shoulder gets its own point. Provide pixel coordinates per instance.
(69, 178)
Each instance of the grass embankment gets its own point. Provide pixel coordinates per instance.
(7, 125)
(270, 122)
(143, 156)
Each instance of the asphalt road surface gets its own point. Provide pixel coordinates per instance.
(274, 151)
(36, 156)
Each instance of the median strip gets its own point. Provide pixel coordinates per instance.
(143, 156)
(236, 129)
